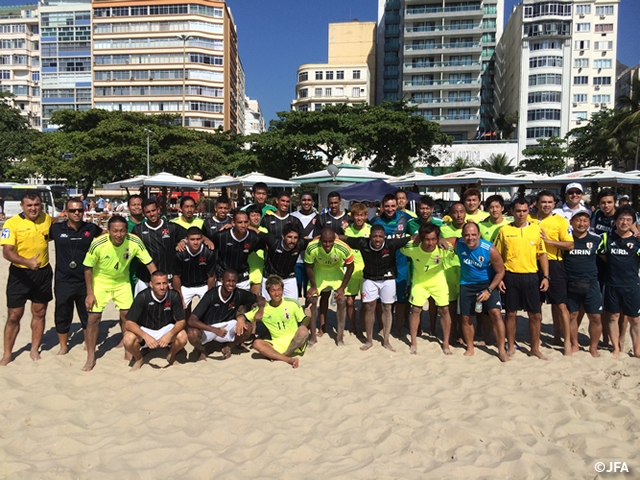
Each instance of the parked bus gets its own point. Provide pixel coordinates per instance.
(53, 198)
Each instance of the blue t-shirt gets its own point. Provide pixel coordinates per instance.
(396, 227)
(475, 265)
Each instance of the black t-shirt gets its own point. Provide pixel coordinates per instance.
(161, 243)
(623, 260)
(150, 312)
(213, 310)
(212, 225)
(275, 225)
(378, 264)
(278, 260)
(337, 224)
(195, 269)
(601, 224)
(233, 253)
(72, 245)
(581, 261)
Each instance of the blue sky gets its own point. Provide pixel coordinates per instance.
(277, 36)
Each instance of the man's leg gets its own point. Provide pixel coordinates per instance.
(38, 314)
(132, 346)
(313, 325)
(195, 338)
(123, 320)
(351, 313)
(634, 330)
(341, 314)
(433, 316)
(368, 312)
(301, 336)
(387, 319)
(595, 330)
(401, 314)
(510, 326)
(499, 332)
(573, 330)
(324, 308)
(414, 323)
(456, 324)
(445, 323)
(63, 316)
(178, 343)
(91, 339)
(614, 333)
(560, 312)
(623, 321)
(467, 334)
(267, 351)
(535, 323)
(11, 330)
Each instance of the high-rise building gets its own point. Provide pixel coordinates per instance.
(179, 57)
(625, 78)
(438, 56)
(555, 65)
(349, 75)
(254, 121)
(20, 59)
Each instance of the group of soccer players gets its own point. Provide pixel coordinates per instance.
(255, 264)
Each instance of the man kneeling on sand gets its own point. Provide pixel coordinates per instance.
(155, 320)
(287, 324)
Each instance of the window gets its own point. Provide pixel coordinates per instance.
(303, 76)
(328, 75)
(339, 92)
(340, 75)
(604, 27)
(545, 79)
(543, 132)
(543, 114)
(544, 97)
(35, 76)
(327, 92)
(317, 107)
(583, 27)
(578, 116)
(5, 74)
(601, 98)
(20, 90)
(538, 62)
(604, 10)
(580, 98)
(303, 93)
(581, 80)
(582, 44)
(546, 8)
(546, 45)
(318, 92)
(602, 63)
(583, 9)
(355, 92)
(602, 80)
(318, 75)
(356, 74)
(603, 45)
(581, 63)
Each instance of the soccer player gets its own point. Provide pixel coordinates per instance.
(554, 229)
(428, 280)
(24, 243)
(307, 216)
(156, 320)
(259, 195)
(275, 222)
(621, 251)
(187, 219)
(602, 221)
(256, 258)
(219, 316)
(325, 259)
(379, 258)
(403, 202)
(573, 201)
(72, 240)
(490, 227)
(336, 219)
(471, 200)
(160, 238)
(194, 269)
(359, 228)
(481, 271)
(583, 288)
(134, 204)
(453, 230)
(220, 219)
(234, 246)
(522, 248)
(286, 322)
(106, 276)
(425, 211)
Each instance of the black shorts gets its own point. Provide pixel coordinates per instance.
(468, 295)
(24, 284)
(592, 301)
(523, 292)
(68, 295)
(622, 299)
(557, 292)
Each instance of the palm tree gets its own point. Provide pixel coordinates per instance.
(460, 163)
(630, 104)
(498, 163)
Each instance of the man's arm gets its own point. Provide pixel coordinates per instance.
(90, 300)
(10, 254)
(134, 328)
(498, 268)
(567, 245)
(151, 267)
(177, 286)
(544, 266)
(313, 288)
(168, 337)
(195, 322)
(345, 280)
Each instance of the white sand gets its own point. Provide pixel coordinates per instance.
(344, 413)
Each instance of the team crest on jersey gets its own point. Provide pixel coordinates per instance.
(202, 261)
(167, 305)
(630, 246)
(231, 305)
(86, 234)
(481, 259)
(126, 255)
(589, 245)
(286, 314)
(400, 227)
(385, 252)
(246, 247)
(436, 259)
(165, 233)
(335, 257)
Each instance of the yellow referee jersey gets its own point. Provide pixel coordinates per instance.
(27, 237)
(557, 229)
(520, 247)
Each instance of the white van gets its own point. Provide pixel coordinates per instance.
(53, 198)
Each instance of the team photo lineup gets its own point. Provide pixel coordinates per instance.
(206, 285)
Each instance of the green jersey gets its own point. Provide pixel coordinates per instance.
(195, 222)
(282, 320)
(351, 231)
(489, 231)
(427, 267)
(415, 224)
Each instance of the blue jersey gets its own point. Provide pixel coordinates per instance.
(396, 227)
(475, 265)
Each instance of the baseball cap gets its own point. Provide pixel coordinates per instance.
(582, 211)
(575, 185)
(624, 197)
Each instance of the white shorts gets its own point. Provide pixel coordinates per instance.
(244, 285)
(229, 326)
(158, 334)
(189, 292)
(385, 290)
(140, 286)
(290, 289)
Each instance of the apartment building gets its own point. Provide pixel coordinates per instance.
(555, 65)
(438, 56)
(254, 121)
(349, 75)
(170, 56)
(20, 60)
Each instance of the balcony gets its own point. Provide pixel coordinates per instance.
(435, 30)
(456, 119)
(419, 12)
(448, 101)
(420, 67)
(467, 47)
(418, 85)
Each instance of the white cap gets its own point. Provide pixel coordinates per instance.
(581, 211)
(575, 185)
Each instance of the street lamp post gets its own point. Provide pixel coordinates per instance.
(185, 39)
(148, 163)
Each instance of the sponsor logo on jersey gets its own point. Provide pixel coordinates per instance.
(6, 233)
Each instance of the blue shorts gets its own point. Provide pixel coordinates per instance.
(592, 301)
(622, 299)
(402, 284)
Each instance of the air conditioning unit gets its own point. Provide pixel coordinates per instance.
(597, 87)
(575, 104)
(582, 15)
(578, 122)
(602, 17)
(581, 52)
(597, 105)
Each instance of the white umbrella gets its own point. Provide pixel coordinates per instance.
(526, 176)
(411, 179)
(135, 182)
(164, 179)
(466, 176)
(602, 176)
(214, 182)
(343, 173)
(251, 179)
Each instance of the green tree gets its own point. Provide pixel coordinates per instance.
(507, 123)
(16, 138)
(498, 163)
(630, 122)
(460, 163)
(548, 157)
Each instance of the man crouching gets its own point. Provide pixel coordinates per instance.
(155, 320)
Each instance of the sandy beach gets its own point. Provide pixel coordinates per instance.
(343, 414)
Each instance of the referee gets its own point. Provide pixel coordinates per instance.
(24, 243)
(72, 240)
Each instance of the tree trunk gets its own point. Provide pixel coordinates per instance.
(87, 187)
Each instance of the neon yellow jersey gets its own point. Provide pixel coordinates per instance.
(449, 231)
(427, 267)
(111, 264)
(489, 231)
(195, 222)
(339, 255)
(477, 217)
(28, 238)
(281, 321)
(411, 213)
(256, 263)
(351, 231)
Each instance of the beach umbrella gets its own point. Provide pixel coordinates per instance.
(341, 173)
(251, 179)
(411, 179)
(219, 182)
(164, 179)
(599, 175)
(135, 182)
(470, 176)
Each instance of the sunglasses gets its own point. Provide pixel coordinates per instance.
(75, 210)
(574, 193)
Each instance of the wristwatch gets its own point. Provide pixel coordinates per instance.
(490, 290)
(547, 277)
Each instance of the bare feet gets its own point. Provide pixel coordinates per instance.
(295, 362)
(388, 346)
(504, 357)
(575, 348)
(413, 350)
(511, 352)
(5, 361)
(366, 346)
(480, 343)
(226, 352)
(594, 352)
(537, 353)
(171, 358)
(446, 350)
(340, 343)
(89, 365)
(137, 365)
(35, 355)
(469, 352)
(127, 356)
(616, 353)
(202, 357)
(63, 350)
(312, 341)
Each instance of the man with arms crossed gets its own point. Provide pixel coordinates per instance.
(521, 248)
(286, 322)
(72, 240)
(325, 259)
(428, 280)
(106, 276)
(25, 243)
(157, 319)
(583, 288)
